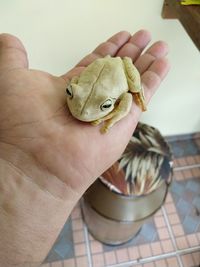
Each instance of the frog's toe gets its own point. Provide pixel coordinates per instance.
(97, 122)
(104, 129)
(139, 99)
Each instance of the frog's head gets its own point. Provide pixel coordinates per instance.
(86, 105)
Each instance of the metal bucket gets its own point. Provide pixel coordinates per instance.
(114, 215)
(113, 218)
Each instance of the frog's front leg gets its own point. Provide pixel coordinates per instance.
(134, 82)
(74, 79)
(120, 111)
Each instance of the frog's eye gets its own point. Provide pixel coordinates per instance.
(69, 91)
(106, 105)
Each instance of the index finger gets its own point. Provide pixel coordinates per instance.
(110, 47)
(12, 53)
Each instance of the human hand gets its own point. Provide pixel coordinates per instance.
(40, 138)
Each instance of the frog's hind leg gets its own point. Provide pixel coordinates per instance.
(134, 82)
(118, 113)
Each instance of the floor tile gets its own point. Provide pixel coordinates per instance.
(172, 262)
(110, 258)
(187, 260)
(122, 255)
(78, 236)
(96, 247)
(98, 260)
(156, 248)
(182, 148)
(196, 258)
(133, 253)
(80, 249)
(77, 224)
(182, 242)
(69, 263)
(167, 246)
(56, 264)
(163, 233)
(82, 261)
(64, 246)
(192, 240)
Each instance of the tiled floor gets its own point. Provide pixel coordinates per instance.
(171, 238)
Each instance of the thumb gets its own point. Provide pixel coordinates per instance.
(12, 53)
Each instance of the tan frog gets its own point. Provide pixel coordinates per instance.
(102, 92)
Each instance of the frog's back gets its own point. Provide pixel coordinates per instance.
(107, 71)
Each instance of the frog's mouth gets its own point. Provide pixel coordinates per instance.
(86, 117)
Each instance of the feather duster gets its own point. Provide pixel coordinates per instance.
(145, 164)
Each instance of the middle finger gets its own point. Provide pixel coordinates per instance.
(136, 44)
(156, 51)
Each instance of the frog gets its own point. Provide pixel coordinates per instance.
(104, 91)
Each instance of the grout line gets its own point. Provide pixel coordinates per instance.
(87, 246)
(124, 264)
(157, 257)
(172, 236)
(145, 260)
(186, 167)
(187, 250)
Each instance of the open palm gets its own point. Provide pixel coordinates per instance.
(36, 124)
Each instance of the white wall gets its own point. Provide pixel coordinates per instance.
(58, 33)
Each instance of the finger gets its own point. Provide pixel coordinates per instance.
(134, 47)
(157, 50)
(12, 53)
(110, 47)
(152, 78)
